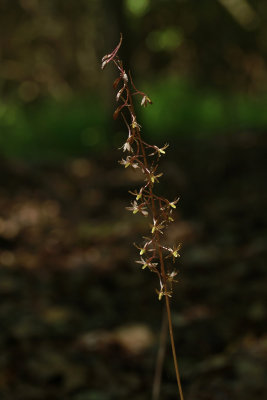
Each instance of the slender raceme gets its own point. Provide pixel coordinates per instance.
(159, 210)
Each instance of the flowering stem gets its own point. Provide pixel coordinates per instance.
(146, 201)
(175, 361)
(162, 266)
(160, 356)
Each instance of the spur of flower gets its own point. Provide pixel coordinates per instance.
(134, 123)
(152, 177)
(129, 161)
(170, 219)
(144, 248)
(173, 203)
(135, 208)
(170, 276)
(137, 195)
(147, 263)
(174, 252)
(159, 150)
(163, 292)
(157, 227)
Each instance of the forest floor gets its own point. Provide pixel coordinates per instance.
(80, 320)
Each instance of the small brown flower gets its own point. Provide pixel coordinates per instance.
(135, 208)
(146, 263)
(159, 151)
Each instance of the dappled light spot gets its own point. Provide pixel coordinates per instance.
(164, 40)
(243, 12)
(8, 228)
(138, 7)
(81, 168)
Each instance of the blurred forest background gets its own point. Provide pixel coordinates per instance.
(204, 61)
(79, 320)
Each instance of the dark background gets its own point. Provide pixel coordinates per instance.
(79, 320)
